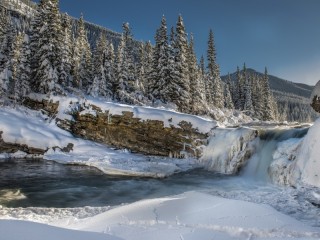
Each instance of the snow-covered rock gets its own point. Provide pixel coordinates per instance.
(307, 167)
(281, 169)
(228, 149)
(298, 160)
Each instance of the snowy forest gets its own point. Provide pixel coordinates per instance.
(54, 56)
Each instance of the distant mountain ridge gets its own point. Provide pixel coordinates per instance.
(22, 11)
(280, 85)
(293, 99)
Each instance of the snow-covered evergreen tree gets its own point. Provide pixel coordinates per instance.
(267, 98)
(214, 84)
(181, 79)
(196, 101)
(248, 105)
(240, 95)
(47, 48)
(99, 86)
(4, 25)
(227, 93)
(6, 84)
(66, 43)
(82, 58)
(158, 77)
(110, 71)
(257, 99)
(120, 85)
(130, 83)
(202, 74)
(147, 67)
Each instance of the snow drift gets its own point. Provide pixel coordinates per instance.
(191, 215)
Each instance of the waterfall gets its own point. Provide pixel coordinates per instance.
(257, 166)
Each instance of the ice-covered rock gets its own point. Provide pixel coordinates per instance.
(298, 160)
(307, 167)
(229, 149)
(281, 169)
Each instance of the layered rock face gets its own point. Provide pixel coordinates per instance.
(126, 131)
(143, 136)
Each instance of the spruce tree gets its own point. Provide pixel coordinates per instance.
(6, 83)
(196, 101)
(109, 66)
(240, 95)
(248, 105)
(181, 79)
(158, 77)
(120, 93)
(130, 84)
(4, 25)
(228, 99)
(267, 98)
(46, 73)
(214, 84)
(82, 58)
(66, 43)
(99, 87)
(147, 67)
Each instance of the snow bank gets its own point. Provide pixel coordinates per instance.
(192, 215)
(17, 230)
(33, 129)
(307, 166)
(228, 150)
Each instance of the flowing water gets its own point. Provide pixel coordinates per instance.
(39, 183)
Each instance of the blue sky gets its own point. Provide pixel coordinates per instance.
(283, 35)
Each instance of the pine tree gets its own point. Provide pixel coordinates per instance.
(248, 105)
(158, 77)
(130, 84)
(4, 25)
(196, 101)
(15, 55)
(99, 86)
(66, 43)
(147, 67)
(228, 99)
(267, 98)
(257, 99)
(240, 95)
(24, 70)
(6, 84)
(82, 58)
(181, 79)
(214, 84)
(202, 75)
(46, 73)
(119, 93)
(109, 66)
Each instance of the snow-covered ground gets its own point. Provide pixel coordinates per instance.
(191, 215)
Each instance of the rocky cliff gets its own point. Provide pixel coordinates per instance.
(170, 134)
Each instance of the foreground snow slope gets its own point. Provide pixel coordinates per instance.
(18, 230)
(191, 216)
(30, 127)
